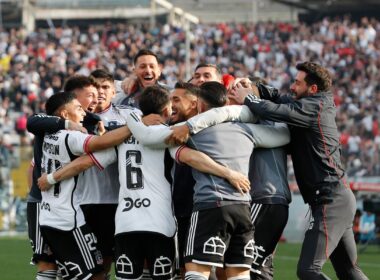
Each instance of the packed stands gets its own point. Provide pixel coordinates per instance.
(34, 66)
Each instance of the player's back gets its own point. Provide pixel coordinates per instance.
(145, 202)
(229, 144)
(60, 204)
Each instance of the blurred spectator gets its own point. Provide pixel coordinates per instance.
(367, 227)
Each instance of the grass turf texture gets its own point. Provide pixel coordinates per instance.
(15, 253)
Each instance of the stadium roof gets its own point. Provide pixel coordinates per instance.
(334, 6)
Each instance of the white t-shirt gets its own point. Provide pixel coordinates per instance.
(145, 202)
(60, 204)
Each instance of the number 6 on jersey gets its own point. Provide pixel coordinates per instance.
(134, 174)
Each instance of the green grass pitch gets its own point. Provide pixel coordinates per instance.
(15, 253)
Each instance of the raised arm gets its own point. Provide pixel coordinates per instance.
(40, 124)
(152, 136)
(205, 164)
(107, 140)
(209, 118)
(100, 159)
(293, 113)
(269, 136)
(219, 115)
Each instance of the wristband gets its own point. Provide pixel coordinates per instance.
(50, 179)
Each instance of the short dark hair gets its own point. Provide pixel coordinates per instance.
(58, 100)
(189, 87)
(201, 65)
(316, 74)
(153, 100)
(78, 82)
(102, 74)
(214, 94)
(142, 53)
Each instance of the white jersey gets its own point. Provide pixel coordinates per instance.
(103, 187)
(145, 202)
(60, 204)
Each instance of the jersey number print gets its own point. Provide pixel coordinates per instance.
(134, 174)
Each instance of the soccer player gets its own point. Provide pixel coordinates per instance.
(40, 124)
(100, 190)
(270, 200)
(205, 72)
(146, 73)
(315, 152)
(61, 219)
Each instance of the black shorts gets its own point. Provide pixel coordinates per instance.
(269, 221)
(221, 237)
(183, 224)
(76, 252)
(101, 220)
(41, 250)
(133, 248)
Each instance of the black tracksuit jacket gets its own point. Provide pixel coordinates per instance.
(314, 146)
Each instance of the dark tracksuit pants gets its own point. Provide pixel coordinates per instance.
(330, 235)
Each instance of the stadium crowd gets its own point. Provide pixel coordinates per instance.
(34, 66)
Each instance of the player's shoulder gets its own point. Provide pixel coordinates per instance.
(125, 109)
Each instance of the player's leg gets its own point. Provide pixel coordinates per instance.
(42, 255)
(205, 243)
(330, 222)
(269, 221)
(76, 253)
(183, 224)
(129, 255)
(160, 256)
(239, 255)
(344, 256)
(101, 219)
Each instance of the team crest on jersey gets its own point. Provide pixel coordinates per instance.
(124, 265)
(162, 266)
(214, 246)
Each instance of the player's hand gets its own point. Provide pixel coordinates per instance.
(245, 82)
(152, 119)
(76, 126)
(101, 128)
(129, 84)
(239, 93)
(179, 136)
(239, 181)
(43, 183)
